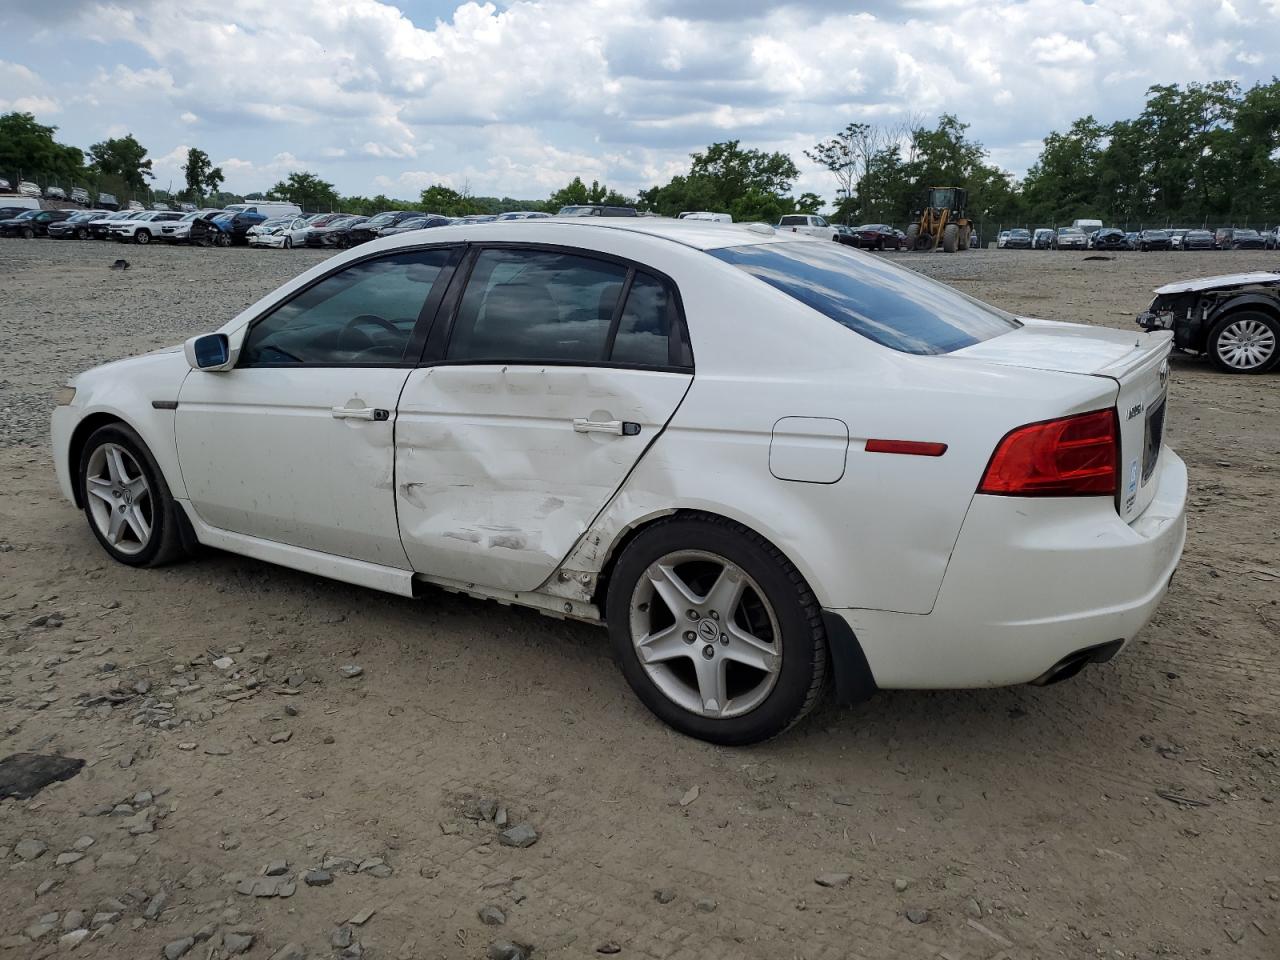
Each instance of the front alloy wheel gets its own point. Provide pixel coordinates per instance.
(715, 630)
(1245, 342)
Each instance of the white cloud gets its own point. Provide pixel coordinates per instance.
(516, 97)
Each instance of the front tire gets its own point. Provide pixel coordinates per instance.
(757, 663)
(142, 237)
(126, 500)
(28, 233)
(288, 243)
(1245, 341)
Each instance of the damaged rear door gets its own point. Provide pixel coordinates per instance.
(548, 374)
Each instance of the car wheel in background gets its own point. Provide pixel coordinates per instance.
(82, 234)
(715, 630)
(28, 233)
(288, 243)
(126, 499)
(142, 236)
(1245, 342)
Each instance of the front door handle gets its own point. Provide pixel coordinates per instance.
(618, 428)
(360, 413)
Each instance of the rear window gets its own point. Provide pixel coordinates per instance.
(891, 305)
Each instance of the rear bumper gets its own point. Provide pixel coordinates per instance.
(1031, 582)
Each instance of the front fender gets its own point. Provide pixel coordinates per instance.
(1267, 304)
(141, 392)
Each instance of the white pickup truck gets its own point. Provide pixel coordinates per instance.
(808, 223)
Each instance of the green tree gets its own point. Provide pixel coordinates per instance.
(576, 193)
(808, 203)
(1064, 183)
(749, 184)
(125, 158)
(29, 151)
(306, 190)
(201, 175)
(445, 200)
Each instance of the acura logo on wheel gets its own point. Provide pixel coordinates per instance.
(708, 630)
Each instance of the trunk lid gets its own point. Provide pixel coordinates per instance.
(1137, 362)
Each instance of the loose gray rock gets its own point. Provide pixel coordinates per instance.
(901, 884)
(341, 937)
(317, 878)
(282, 736)
(276, 868)
(155, 905)
(46, 886)
(237, 943)
(705, 905)
(973, 908)
(917, 915)
(101, 919)
(609, 947)
(30, 848)
(72, 920)
(351, 671)
(69, 941)
(488, 807)
(521, 835)
(664, 895)
(832, 879)
(177, 948)
(491, 916)
(84, 843)
(114, 859)
(508, 950)
(66, 859)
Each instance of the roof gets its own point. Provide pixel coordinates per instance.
(699, 234)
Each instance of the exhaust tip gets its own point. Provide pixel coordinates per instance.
(1073, 663)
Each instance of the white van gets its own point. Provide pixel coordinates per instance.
(705, 215)
(270, 208)
(19, 200)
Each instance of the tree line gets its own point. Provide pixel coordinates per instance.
(1199, 153)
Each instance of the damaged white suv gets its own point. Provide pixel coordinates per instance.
(766, 462)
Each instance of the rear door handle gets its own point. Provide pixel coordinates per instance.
(618, 428)
(360, 413)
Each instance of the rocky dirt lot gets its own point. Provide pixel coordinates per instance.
(282, 766)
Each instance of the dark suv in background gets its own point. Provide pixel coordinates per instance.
(33, 223)
(1154, 240)
(1239, 238)
(1109, 238)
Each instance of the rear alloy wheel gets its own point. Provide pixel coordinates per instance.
(1245, 342)
(126, 499)
(28, 233)
(716, 632)
(142, 236)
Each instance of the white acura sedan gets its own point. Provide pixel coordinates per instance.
(766, 462)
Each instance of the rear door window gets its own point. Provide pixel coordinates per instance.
(891, 305)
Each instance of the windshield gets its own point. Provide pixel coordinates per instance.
(382, 218)
(1157, 235)
(28, 215)
(891, 305)
(1019, 233)
(1070, 231)
(1247, 234)
(578, 212)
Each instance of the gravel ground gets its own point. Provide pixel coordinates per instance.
(272, 759)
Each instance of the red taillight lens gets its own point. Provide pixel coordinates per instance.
(1072, 457)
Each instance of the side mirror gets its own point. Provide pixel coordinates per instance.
(211, 352)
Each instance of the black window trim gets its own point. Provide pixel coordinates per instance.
(678, 342)
(417, 337)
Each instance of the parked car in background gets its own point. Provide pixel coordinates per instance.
(32, 223)
(1154, 240)
(1019, 239)
(1042, 239)
(1131, 240)
(80, 195)
(17, 202)
(334, 233)
(706, 215)
(1197, 240)
(526, 215)
(179, 231)
(234, 225)
(844, 234)
(108, 201)
(593, 396)
(596, 210)
(135, 206)
(1235, 319)
(5, 185)
(55, 193)
(9, 212)
(1002, 239)
(1070, 238)
(76, 226)
(284, 234)
(1109, 238)
(876, 236)
(1175, 238)
(1244, 239)
(28, 189)
(808, 224)
(1271, 239)
(1087, 227)
(100, 229)
(373, 227)
(427, 222)
(143, 228)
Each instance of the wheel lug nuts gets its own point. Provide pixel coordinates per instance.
(693, 614)
(690, 636)
(724, 639)
(714, 615)
(708, 652)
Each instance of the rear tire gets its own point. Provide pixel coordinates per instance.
(1244, 341)
(143, 237)
(758, 677)
(913, 236)
(950, 238)
(126, 500)
(28, 233)
(82, 234)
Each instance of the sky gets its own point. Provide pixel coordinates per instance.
(516, 97)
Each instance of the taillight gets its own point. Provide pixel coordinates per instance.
(1071, 457)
